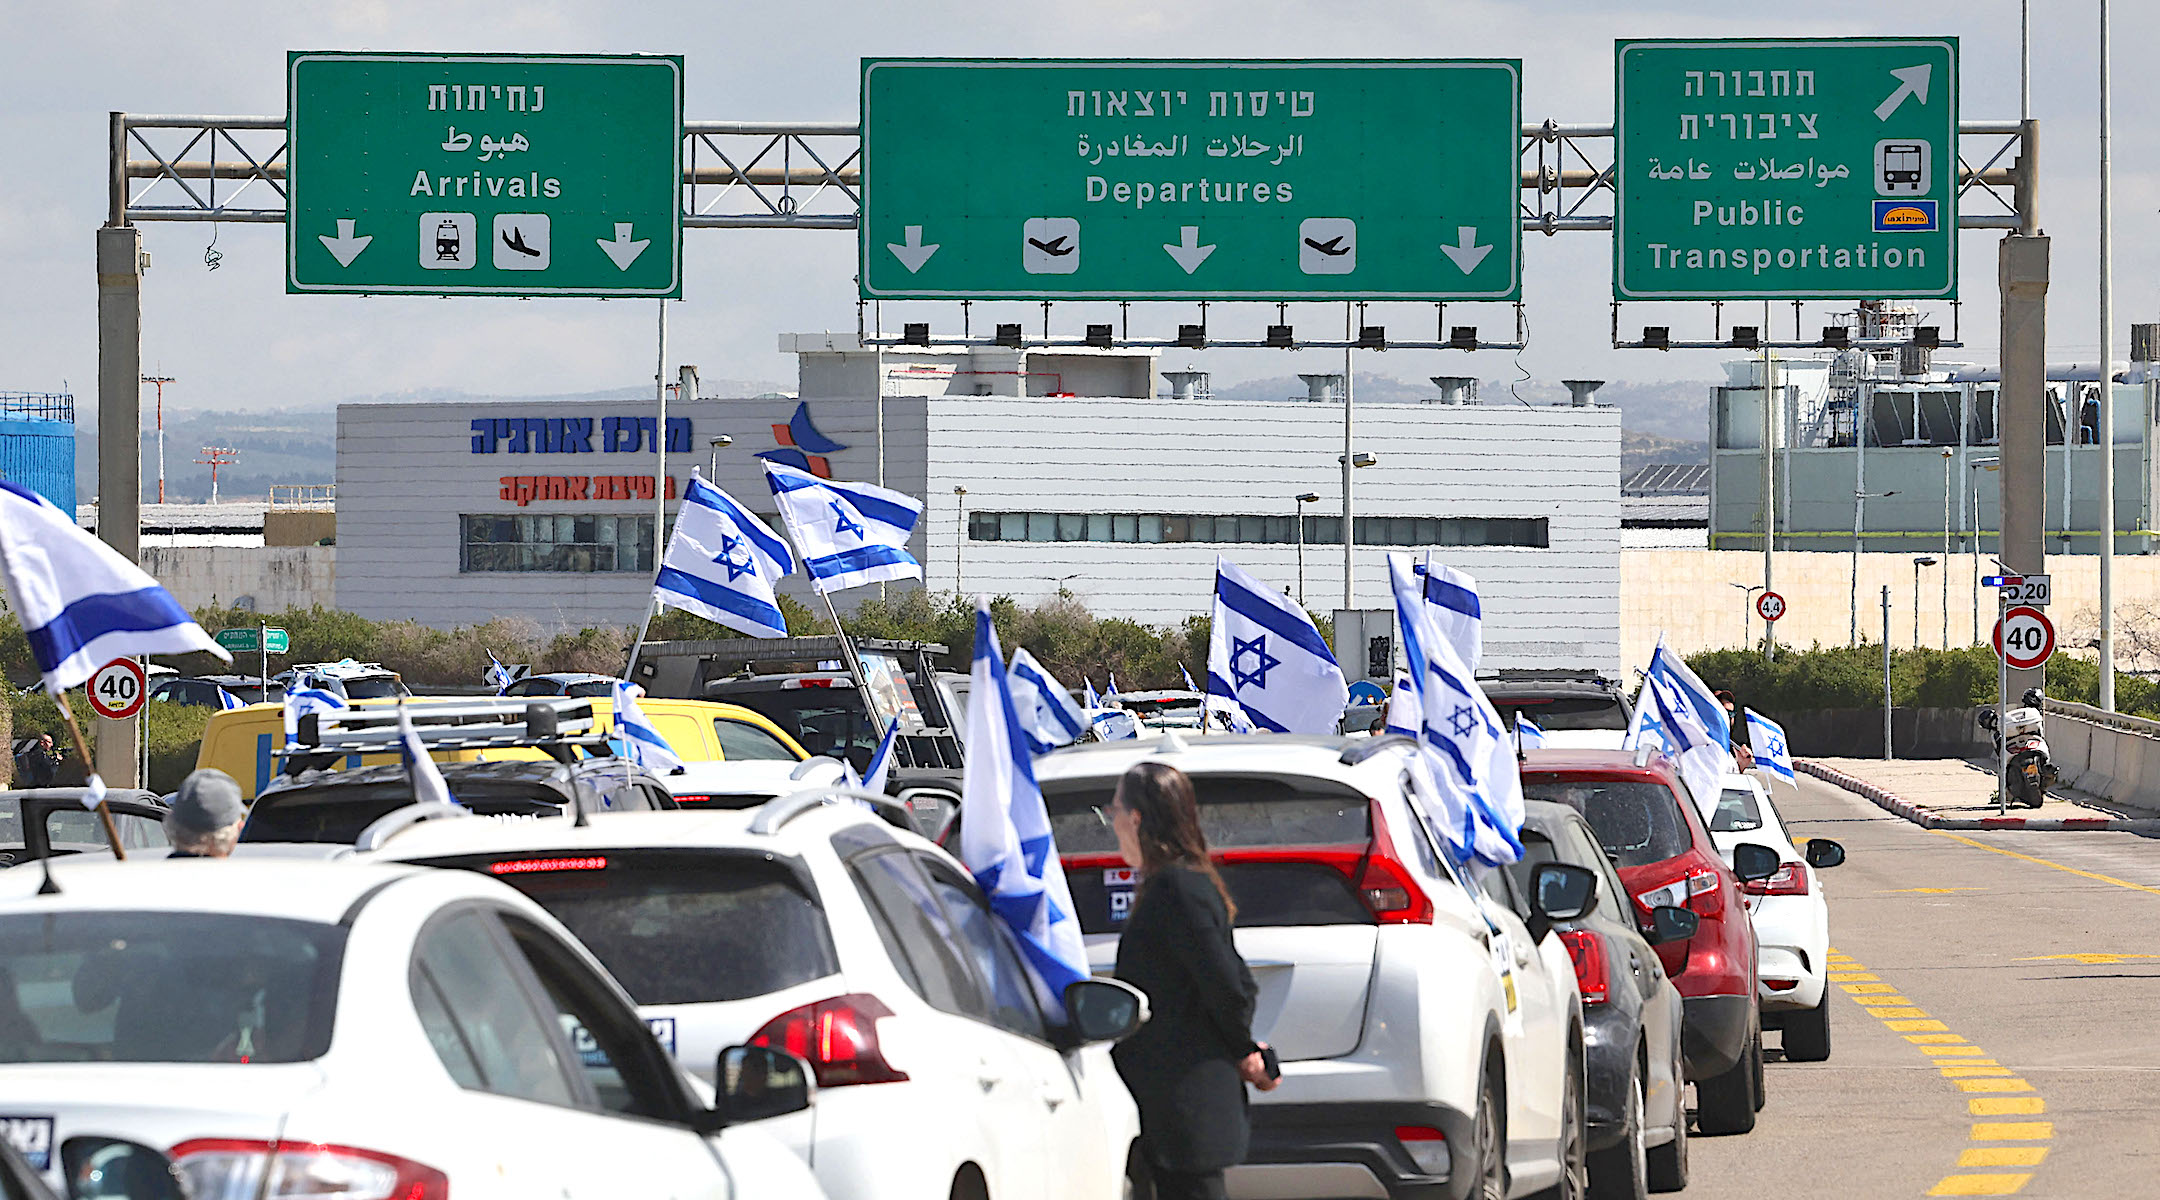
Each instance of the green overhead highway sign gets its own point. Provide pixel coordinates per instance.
(249, 640)
(1249, 180)
(1811, 168)
(484, 175)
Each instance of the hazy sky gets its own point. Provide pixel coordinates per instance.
(235, 339)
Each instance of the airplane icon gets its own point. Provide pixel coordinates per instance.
(1055, 247)
(1332, 247)
(1327, 246)
(515, 239)
(1050, 245)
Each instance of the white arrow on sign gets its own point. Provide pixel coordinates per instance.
(622, 251)
(1912, 81)
(1189, 253)
(914, 253)
(344, 247)
(1466, 252)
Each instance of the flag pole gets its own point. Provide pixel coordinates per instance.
(847, 648)
(82, 749)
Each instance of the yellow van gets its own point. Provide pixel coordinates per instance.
(241, 741)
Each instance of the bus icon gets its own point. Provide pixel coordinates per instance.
(1903, 168)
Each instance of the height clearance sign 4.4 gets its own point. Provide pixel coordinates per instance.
(1261, 180)
(484, 175)
(1818, 168)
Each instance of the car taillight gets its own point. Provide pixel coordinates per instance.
(1426, 1146)
(1385, 886)
(1697, 891)
(1588, 951)
(837, 1037)
(248, 1169)
(1790, 880)
(531, 866)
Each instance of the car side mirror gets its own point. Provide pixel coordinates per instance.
(1104, 1010)
(1671, 923)
(103, 1168)
(1754, 862)
(752, 1083)
(1559, 892)
(1822, 853)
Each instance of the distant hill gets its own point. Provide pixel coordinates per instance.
(1676, 409)
(1639, 450)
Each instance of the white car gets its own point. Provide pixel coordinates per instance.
(1790, 912)
(748, 782)
(1429, 1044)
(813, 925)
(292, 1029)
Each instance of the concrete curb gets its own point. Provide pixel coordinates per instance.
(1927, 818)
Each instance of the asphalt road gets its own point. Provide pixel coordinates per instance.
(1994, 1026)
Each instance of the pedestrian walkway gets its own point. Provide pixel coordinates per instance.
(1952, 793)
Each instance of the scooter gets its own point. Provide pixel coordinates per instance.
(2031, 771)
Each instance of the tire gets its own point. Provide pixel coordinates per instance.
(1725, 1103)
(1491, 1142)
(1574, 1134)
(969, 1184)
(1622, 1172)
(1807, 1034)
(1762, 1093)
(1139, 1182)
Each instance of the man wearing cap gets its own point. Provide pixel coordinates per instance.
(206, 815)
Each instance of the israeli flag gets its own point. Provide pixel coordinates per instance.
(1048, 714)
(881, 762)
(1186, 675)
(81, 604)
(1403, 716)
(1111, 697)
(1664, 720)
(1690, 689)
(497, 676)
(722, 564)
(1470, 760)
(850, 534)
(1005, 834)
(1456, 614)
(1527, 734)
(427, 781)
(1088, 698)
(1772, 753)
(227, 702)
(1265, 656)
(300, 701)
(640, 741)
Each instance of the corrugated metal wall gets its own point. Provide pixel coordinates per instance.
(40, 455)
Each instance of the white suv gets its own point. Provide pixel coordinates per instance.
(287, 1030)
(1430, 1044)
(809, 924)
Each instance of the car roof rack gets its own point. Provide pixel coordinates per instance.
(551, 723)
(778, 811)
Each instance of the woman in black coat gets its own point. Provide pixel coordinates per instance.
(1188, 1066)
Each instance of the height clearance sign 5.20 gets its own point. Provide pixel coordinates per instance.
(484, 175)
(1265, 180)
(1791, 169)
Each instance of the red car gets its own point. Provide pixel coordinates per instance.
(1641, 813)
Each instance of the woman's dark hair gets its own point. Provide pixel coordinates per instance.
(1169, 831)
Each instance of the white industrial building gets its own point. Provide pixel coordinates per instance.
(1042, 471)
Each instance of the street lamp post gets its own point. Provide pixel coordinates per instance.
(718, 444)
(1978, 464)
(1919, 561)
(1747, 593)
(1946, 456)
(1859, 517)
(1303, 499)
(1350, 462)
(959, 534)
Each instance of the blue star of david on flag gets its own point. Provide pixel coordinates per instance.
(736, 567)
(1263, 662)
(735, 586)
(1462, 721)
(1773, 755)
(846, 523)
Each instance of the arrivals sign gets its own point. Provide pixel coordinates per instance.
(1814, 168)
(1252, 180)
(484, 175)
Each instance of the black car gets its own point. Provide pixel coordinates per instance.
(53, 821)
(337, 806)
(1636, 1093)
(204, 690)
(1556, 700)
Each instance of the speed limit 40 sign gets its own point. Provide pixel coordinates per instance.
(2024, 637)
(117, 690)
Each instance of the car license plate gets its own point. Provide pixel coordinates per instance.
(663, 1028)
(32, 1138)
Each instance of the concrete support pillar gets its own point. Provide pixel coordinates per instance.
(119, 521)
(2021, 414)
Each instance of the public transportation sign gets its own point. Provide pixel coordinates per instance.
(1796, 169)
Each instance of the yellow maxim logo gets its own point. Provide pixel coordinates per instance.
(1907, 215)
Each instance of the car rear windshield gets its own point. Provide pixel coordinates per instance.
(165, 987)
(1235, 811)
(340, 813)
(828, 721)
(1267, 895)
(1564, 712)
(1637, 822)
(380, 688)
(678, 928)
(1736, 812)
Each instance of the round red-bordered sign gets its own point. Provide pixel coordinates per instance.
(2024, 637)
(1770, 606)
(118, 689)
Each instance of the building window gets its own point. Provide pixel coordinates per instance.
(569, 543)
(1256, 530)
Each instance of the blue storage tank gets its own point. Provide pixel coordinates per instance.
(37, 444)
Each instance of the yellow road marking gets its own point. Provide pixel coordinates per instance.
(1912, 1026)
(1955, 1051)
(1935, 1038)
(1931, 891)
(2003, 1156)
(1853, 977)
(2006, 1106)
(1862, 989)
(1887, 1013)
(1979, 1185)
(1994, 1085)
(1877, 1003)
(2012, 1131)
(2123, 883)
(2090, 960)
(1974, 1070)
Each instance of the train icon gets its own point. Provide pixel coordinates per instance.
(448, 241)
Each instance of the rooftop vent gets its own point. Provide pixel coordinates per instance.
(1323, 388)
(1456, 389)
(1582, 393)
(1187, 385)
